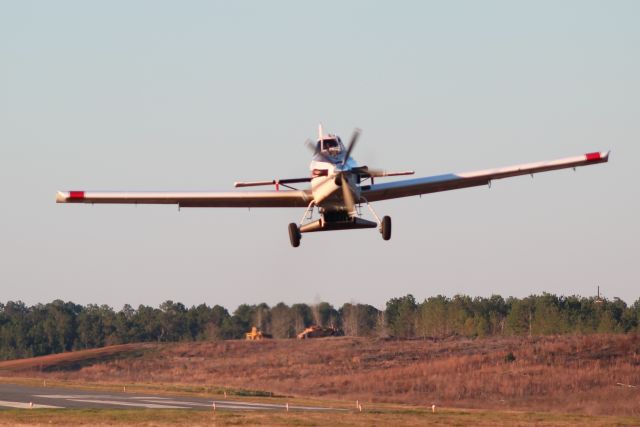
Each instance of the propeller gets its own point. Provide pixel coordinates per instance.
(311, 146)
(347, 193)
(342, 173)
(354, 138)
(314, 149)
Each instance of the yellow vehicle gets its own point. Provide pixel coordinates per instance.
(256, 335)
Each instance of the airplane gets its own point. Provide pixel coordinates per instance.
(339, 188)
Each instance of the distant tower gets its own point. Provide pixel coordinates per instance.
(598, 299)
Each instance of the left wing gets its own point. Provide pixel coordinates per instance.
(453, 181)
(184, 199)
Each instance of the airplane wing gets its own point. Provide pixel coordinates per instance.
(453, 181)
(239, 199)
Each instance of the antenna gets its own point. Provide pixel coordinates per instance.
(598, 299)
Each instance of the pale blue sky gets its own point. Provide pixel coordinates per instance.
(196, 95)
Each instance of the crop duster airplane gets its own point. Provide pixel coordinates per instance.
(339, 187)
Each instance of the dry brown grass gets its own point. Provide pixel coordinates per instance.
(407, 417)
(574, 374)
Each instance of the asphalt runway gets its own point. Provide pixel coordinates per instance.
(19, 396)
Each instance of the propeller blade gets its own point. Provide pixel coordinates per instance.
(347, 195)
(311, 146)
(314, 149)
(352, 144)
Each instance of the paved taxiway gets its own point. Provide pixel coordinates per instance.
(19, 396)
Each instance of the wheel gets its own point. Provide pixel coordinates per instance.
(294, 235)
(385, 228)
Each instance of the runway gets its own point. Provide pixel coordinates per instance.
(28, 397)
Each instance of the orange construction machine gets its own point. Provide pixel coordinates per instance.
(317, 331)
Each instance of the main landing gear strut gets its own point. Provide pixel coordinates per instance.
(336, 220)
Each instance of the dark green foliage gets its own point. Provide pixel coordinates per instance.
(282, 321)
(401, 316)
(63, 326)
(303, 316)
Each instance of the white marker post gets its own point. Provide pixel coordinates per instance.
(287, 406)
(214, 406)
(433, 408)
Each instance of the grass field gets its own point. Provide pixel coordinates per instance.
(404, 417)
(579, 375)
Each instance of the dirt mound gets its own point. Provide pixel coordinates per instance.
(75, 360)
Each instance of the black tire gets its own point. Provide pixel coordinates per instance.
(294, 235)
(385, 228)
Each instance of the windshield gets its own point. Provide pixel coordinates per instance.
(332, 146)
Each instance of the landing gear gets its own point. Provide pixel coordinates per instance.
(385, 228)
(336, 219)
(294, 235)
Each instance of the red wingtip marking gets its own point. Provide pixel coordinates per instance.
(593, 156)
(76, 195)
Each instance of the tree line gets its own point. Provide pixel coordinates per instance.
(59, 326)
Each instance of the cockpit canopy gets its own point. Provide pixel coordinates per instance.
(331, 146)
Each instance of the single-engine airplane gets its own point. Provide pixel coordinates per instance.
(339, 188)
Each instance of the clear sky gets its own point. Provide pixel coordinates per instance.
(188, 95)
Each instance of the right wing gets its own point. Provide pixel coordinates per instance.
(190, 199)
(453, 181)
